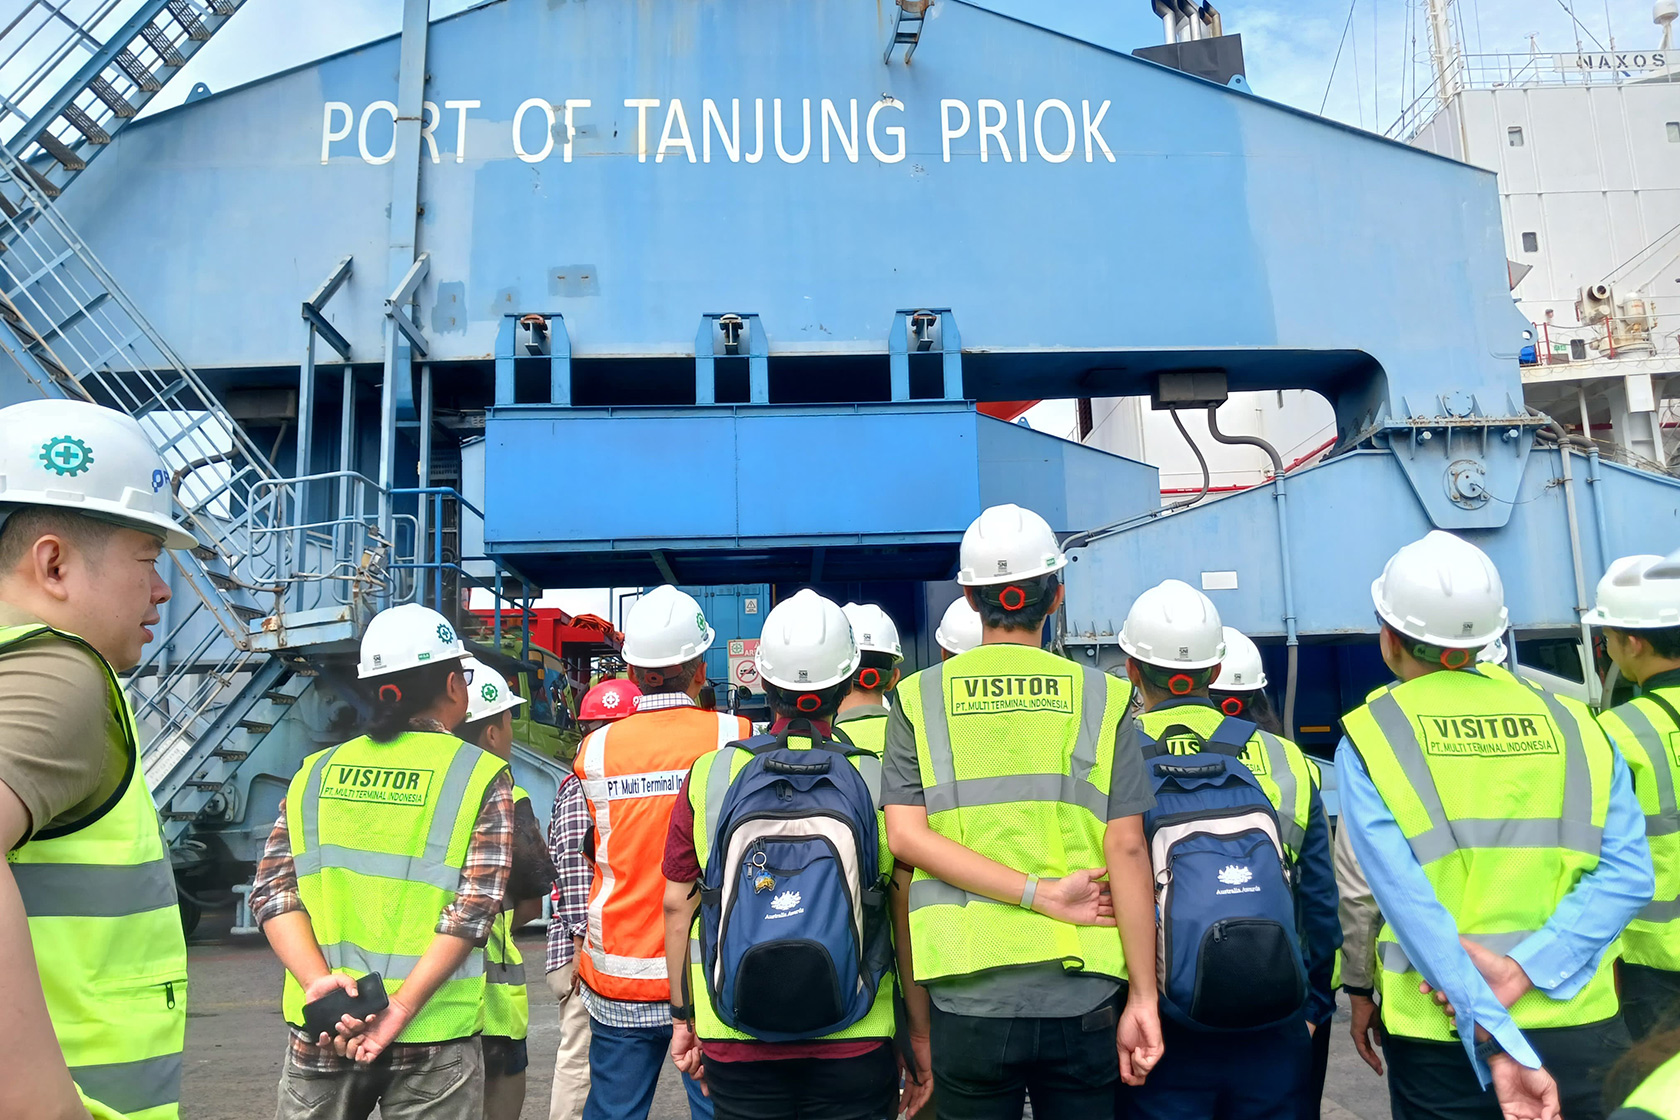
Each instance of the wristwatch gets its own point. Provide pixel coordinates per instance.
(1488, 1048)
(683, 1014)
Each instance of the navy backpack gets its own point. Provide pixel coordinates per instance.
(1227, 951)
(794, 933)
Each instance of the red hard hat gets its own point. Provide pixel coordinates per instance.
(609, 700)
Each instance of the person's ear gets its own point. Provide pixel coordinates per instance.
(50, 558)
(1057, 598)
(972, 596)
(892, 681)
(1134, 674)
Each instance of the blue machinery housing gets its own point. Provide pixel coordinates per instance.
(726, 285)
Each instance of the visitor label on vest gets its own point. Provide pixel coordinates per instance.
(654, 783)
(390, 785)
(1516, 733)
(1032, 692)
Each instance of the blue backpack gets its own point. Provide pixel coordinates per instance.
(1227, 950)
(794, 933)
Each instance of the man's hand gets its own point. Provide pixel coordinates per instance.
(1367, 1031)
(1504, 975)
(1139, 1040)
(1523, 1093)
(1080, 898)
(686, 1054)
(348, 1026)
(381, 1030)
(918, 1086)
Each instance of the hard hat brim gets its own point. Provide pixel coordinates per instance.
(504, 705)
(647, 663)
(1136, 653)
(175, 535)
(966, 578)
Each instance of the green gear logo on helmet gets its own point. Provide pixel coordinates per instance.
(700, 620)
(445, 634)
(490, 693)
(66, 455)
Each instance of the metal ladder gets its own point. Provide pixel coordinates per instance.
(73, 73)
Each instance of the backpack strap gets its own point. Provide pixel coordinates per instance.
(1230, 738)
(1668, 709)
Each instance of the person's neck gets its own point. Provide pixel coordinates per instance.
(1153, 699)
(998, 636)
(1647, 667)
(54, 612)
(860, 699)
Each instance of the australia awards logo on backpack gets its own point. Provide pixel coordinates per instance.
(1235, 877)
(786, 905)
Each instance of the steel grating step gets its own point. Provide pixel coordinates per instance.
(61, 151)
(137, 71)
(118, 104)
(186, 14)
(164, 44)
(86, 125)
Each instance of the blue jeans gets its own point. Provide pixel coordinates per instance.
(624, 1068)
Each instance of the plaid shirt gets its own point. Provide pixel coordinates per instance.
(568, 828)
(623, 1012)
(477, 902)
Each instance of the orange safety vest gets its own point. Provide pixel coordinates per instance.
(632, 771)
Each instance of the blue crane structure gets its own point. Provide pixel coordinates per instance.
(705, 292)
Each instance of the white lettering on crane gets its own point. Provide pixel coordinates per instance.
(328, 132)
(519, 148)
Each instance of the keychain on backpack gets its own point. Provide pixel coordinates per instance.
(761, 879)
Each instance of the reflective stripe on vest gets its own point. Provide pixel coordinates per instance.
(101, 908)
(705, 797)
(1015, 748)
(631, 772)
(1648, 739)
(507, 1006)
(1499, 744)
(379, 834)
(1277, 764)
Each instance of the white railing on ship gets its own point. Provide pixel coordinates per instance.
(1503, 71)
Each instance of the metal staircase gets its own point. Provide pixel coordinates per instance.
(75, 72)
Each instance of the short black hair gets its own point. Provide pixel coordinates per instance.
(1256, 707)
(28, 524)
(819, 703)
(881, 663)
(1021, 605)
(1663, 640)
(667, 678)
(473, 730)
(1444, 657)
(1176, 682)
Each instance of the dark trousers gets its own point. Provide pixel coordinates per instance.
(860, 1088)
(1649, 996)
(985, 1069)
(1228, 1075)
(1313, 1098)
(1434, 1080)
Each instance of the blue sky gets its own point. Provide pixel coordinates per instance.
(1290, 46)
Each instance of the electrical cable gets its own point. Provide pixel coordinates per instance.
(1352, 4)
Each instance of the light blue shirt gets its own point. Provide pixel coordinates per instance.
(1559, 959)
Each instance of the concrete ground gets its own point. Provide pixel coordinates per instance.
(235, 1039)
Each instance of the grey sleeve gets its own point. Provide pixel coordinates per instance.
(1128, 790)
(901, 774)
(1361, 920)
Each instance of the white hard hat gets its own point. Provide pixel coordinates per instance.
(91, 460)
(1241, 670)
(960, 630)
(807, 644)
(407, 637)
(1635, 594)
(1495, 652)
(1444, 591)
(873, 629)
(665, 627)
(1007, 543)
(488, 693)
(1174, 626)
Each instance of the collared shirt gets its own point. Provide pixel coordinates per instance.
(659, 701)
(1560, 958)
(862, 711)
(1668, 678)
(477, 902)
(568, 830)
(623, 1012)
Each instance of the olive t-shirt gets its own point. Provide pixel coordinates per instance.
(61, 745)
